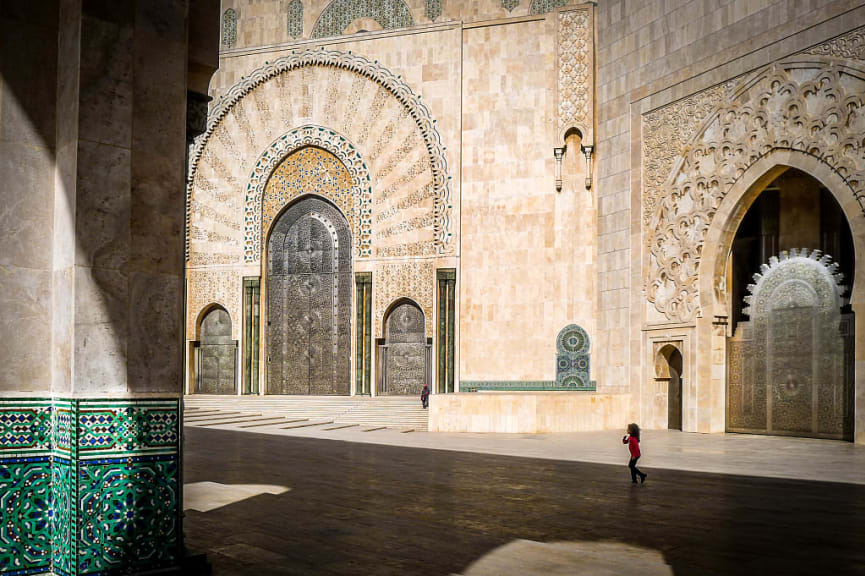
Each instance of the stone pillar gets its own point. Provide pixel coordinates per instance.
(90, 431)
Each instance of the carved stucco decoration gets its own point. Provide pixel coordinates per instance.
(208, 287)
(576, 73)
(360, 214)
(390, 86)
(850, 46)
(811, 107)
(414, 280)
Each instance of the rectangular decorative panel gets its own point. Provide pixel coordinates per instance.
(363, 307)
(447, 279)
(251, 332)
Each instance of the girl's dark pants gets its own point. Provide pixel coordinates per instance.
(632, 464)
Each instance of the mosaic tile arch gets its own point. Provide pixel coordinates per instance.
(339, 14)
(573, 349)
(396, 87)
(810, 106)
(356, 201)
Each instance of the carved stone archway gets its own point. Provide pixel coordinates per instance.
(807, 106)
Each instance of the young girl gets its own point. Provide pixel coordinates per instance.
(632, 439)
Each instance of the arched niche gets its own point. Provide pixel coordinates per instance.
(405, 351)
(669, 366)
(215, 353)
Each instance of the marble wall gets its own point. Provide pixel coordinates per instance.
(28, 112)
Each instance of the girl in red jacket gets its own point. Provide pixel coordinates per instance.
(632, 439)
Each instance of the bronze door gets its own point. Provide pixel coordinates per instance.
(308, 301)
(405, 352)
(217, 354)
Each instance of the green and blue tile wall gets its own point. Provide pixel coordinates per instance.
(89, 486)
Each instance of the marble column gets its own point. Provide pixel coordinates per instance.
(90, 414)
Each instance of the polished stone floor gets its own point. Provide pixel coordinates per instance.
(336, 507)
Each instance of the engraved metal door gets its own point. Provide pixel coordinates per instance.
(217, 355)
(405, 354)
(309, 301)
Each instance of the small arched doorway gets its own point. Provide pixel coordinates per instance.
(404, 356)
(668, 369)
(216, 354)
(790, 350)
(309, 300)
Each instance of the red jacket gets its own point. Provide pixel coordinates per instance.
(633, 446)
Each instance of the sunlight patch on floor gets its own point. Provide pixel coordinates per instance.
(207, 496)
(529, 558)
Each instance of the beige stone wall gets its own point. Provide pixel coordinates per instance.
(527, 249)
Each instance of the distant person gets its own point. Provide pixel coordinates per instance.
(424, 396)
(632, 439)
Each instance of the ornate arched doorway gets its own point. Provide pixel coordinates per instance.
(309, 300)
(216, 354)
(790, 354)
(405, 354)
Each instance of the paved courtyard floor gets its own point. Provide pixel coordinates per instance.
(315, 502)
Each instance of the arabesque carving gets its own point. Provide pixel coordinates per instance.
(415, 280)
(813, 108)
(850, 46)
(207, 287)
(576, 67)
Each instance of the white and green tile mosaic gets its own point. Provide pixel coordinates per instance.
(88, 486)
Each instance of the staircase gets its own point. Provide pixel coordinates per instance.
(387, 411)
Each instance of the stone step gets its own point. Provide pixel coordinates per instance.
(402, 412)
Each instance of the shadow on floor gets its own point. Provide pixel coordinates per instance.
(368, 509)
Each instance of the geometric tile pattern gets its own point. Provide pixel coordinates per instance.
(544, 6)
(25, 426)
(339, 14)
(88, 486)
(295, 18)
(127, 514)
(132, 428)
(572, 359)
(25, 498)
(433, 9)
